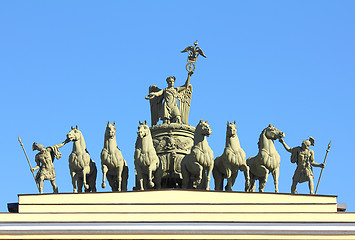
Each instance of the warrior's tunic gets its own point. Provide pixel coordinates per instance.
(303, 158)
(45, 160)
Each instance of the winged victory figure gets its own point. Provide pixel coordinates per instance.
(164, 102)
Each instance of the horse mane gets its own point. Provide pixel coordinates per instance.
(82, 142)
(227, 130)
(261, 135)
(106, 133)
(198, 127)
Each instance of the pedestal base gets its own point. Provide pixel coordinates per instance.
(177, 214)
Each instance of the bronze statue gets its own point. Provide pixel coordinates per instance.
(196, 167)
(113, 165)
(146, 160)
(267, 161)
(164, 102)
(82, 168)
(44, 160)
(231, 161)
(304, 158)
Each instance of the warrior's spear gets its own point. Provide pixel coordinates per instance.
(19, 139)
(325, 158)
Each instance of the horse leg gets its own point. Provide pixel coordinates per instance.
(275, 175)
(218, 179)
(124, 177)
(119, 178)
(231, 181)
(150, 177)
(139, 178)
(208, 180)
(185, 176)
(80, 184)
(111, 181)
(74, 180)
(104, 172)
(252, 184)
(245, 169)
(199, 169)
(92, 177)
(86, 170)
(229, 174)
(262, 180)
(158, 177)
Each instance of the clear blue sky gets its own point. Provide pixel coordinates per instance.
(289, 63)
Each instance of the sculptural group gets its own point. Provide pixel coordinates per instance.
(174, 154)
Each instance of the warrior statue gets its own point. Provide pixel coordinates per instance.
(44, 160)
(164, 102)
(304, 158)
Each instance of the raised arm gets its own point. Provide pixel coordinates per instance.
(187, 83)
(288, 149)
(62, 144)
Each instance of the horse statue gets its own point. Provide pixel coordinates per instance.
(82, 168)
(113, 166)
(196, 167)
(267, 161)
(146, 160)
(232, 160)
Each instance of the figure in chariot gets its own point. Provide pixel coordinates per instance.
(164, 102)
(172, 104)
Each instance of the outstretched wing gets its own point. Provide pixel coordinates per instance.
(155, 105)
(185, 103)
(189, 48)
(201, 52)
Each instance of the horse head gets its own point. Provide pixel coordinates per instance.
(110, 130)
(143, 130)
(74, 134)
(203, 128)
(231, 129)
(77, 137)
(273, 133)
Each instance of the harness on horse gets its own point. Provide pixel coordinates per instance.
(203, 151)
(232, 150)
(268, 153)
